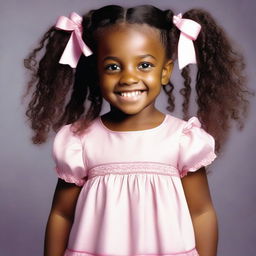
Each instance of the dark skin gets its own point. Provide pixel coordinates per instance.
(61, 218)
(138, 64)
(202, 212)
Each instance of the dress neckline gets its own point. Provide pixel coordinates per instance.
(135, 131)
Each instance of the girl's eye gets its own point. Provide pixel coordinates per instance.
(112, 67)
(146, 65)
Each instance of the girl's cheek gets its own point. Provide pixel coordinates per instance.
(154, 77)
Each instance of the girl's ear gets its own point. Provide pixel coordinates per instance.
(166, 72)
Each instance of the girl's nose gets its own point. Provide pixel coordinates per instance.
(128, 78)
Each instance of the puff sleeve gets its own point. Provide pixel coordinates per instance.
(68, 156)
(196, 148)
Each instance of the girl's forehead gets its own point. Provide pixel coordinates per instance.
(129, 37)
(130, 29)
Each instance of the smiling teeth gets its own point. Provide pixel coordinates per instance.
(130, 94)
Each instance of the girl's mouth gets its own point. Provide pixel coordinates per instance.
(131, 95)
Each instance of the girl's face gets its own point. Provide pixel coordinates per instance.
(132, 67)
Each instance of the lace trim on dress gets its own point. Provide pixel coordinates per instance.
(70, 178)
(204, 162)
(192, 252)
(133, 167)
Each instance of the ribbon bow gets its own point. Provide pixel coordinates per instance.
(189, 32)
(75, 46)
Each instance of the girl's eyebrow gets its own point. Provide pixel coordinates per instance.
(146, 55)
(139, 56)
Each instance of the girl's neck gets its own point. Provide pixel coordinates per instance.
(118, 121)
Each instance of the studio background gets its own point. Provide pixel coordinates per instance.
(28, 179)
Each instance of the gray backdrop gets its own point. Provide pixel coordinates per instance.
(27, 179)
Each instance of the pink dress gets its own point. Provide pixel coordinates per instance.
(133, 202)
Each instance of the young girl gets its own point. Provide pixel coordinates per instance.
(132, 181)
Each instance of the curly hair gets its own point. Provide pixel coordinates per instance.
(63, 96)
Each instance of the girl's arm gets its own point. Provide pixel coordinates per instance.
(61, 218)
(202, 212)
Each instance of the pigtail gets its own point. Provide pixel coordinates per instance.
(186, 91)
(61, 95)
(86, 101)
(49, 85)
(169, 36)
(220, 81)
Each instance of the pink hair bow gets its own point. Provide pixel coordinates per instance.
(75, 46)
(189, 32)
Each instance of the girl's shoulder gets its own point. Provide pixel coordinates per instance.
(184, 125)
(196, 146)
(181, 125)
(69, 139)
(75, 130)
(64, 139)
(190, 132)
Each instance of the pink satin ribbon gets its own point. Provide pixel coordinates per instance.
(75, 46)
(189, 32)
